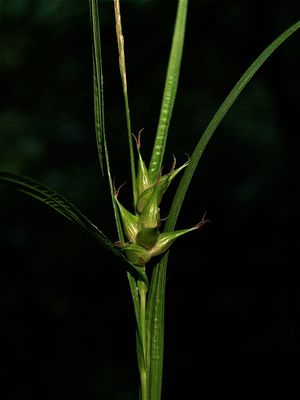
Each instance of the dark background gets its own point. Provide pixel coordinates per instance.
(233, 297)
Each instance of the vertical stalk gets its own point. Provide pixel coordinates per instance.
(122, 65)
(144, 370)
(155, 327)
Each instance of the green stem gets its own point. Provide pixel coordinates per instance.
(144, 385)
(131, 153)
(122, 65)
(142, 288)
(155, 327)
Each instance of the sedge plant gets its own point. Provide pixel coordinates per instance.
(143, 238)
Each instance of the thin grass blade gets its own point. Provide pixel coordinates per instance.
(216, 120)
(156, 297)
(99, 105)
(56, 201)
(64, 207)
(155, 327)
(97, 78)
(136, 305)
(170, 90)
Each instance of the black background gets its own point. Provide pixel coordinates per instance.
(233, 299)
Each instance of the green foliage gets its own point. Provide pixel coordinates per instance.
(141, 227)
(170, 90)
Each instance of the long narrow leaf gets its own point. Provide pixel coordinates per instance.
(98, 79)
(136, 305)
(169, 90)
(54, 200)
(156, 298)
(218, 117)
(155, 327)
(64, 207)
(99, 105)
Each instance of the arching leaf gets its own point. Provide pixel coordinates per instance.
(64, 207)
(216, 120)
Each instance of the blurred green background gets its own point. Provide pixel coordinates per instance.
(233, 297)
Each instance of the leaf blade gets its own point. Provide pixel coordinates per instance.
(97, 79)
(99, 106)
(155, 327)
(156, 298)
(216, 120)
(170, 90)
(56, 201)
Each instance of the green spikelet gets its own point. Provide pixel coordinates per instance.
(136, 254)
(143, 199)
(166, 179)
(147, 237)
(130, 222)
(150, 216)
(149, 222)
(166, 239)
(142, 228)
(163, 182)
(143, 181)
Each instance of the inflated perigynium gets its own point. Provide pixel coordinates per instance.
(141, 229)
